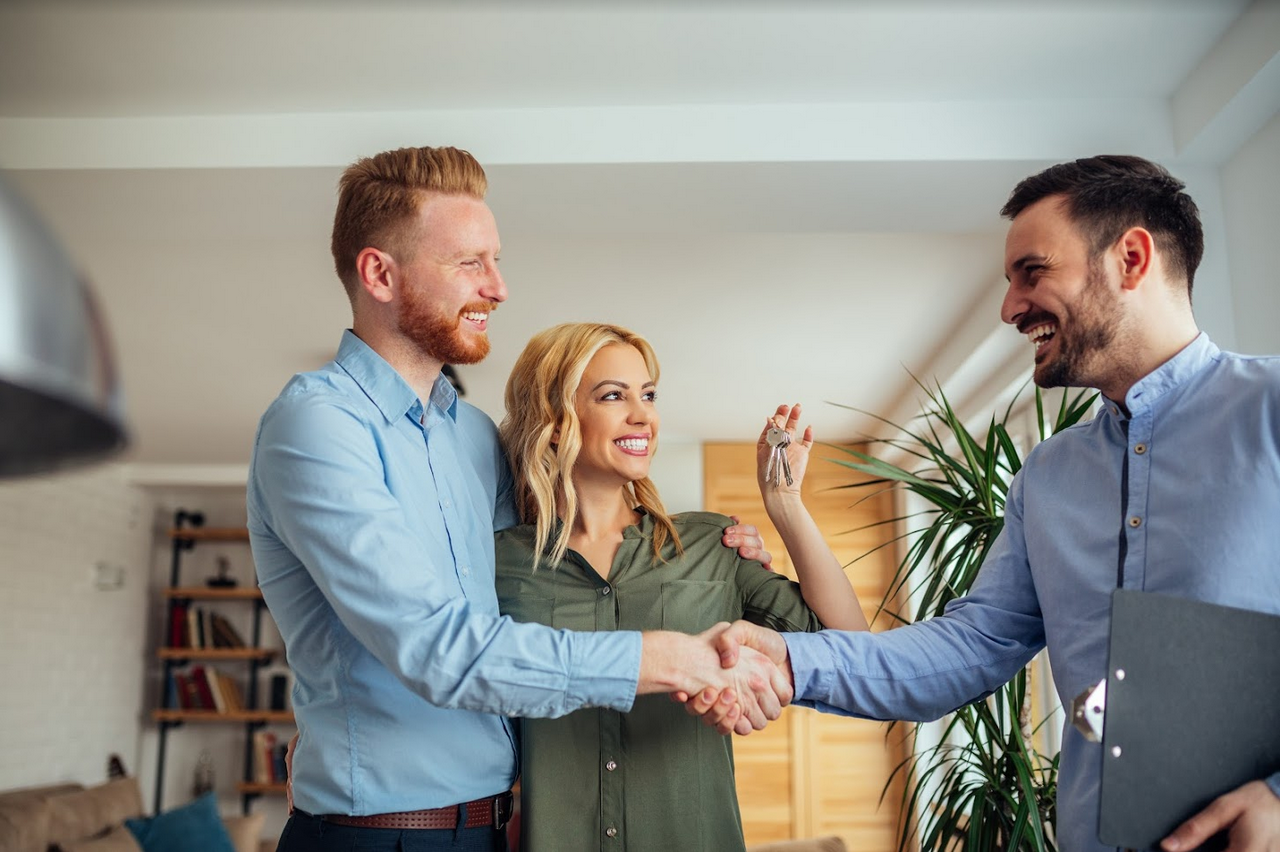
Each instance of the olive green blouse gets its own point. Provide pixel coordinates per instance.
(654, 779)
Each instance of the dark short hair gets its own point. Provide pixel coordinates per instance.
(1106, 195)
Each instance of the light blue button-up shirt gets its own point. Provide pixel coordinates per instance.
(371, 518)
(1202, 520)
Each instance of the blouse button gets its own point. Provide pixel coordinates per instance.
(1139, 448)
(611, 832)
(604, 592)
(611, 765)
(1135, 522)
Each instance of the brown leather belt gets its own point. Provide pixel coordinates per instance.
(494, 812)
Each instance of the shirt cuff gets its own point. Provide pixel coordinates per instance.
(606, 669)
(811, 665)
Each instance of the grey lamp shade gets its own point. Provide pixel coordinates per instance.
(59, 397)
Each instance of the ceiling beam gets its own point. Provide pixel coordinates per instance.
(955, 131)
(1234, 91)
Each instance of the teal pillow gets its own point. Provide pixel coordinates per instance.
(191, 828)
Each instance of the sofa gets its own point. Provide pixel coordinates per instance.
(75, 818)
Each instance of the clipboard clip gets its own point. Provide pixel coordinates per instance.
(1089, 710)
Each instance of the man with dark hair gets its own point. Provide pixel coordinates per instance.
(373, 497)
(1174, 487)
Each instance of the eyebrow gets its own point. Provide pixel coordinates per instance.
(622, 385)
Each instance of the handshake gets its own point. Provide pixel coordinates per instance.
(741, 686)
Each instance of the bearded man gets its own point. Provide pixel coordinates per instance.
(1174, 487)
(373, 497)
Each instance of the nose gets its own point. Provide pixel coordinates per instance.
(1015, 305)
(640, 411)
(494, 288)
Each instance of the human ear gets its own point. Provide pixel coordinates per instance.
(376, 271)
(1136, 248)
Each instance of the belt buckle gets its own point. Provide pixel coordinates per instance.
(503, 805)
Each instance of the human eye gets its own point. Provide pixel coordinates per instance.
(610, 396)
(650, 396)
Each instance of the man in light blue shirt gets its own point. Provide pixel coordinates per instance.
(1174, 487)
(373, 497)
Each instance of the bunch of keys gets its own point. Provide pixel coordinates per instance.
(779, 468)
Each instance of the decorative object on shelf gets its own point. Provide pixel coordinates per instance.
(279, 691)
(204, 778)
(223, 579)
(58, 386)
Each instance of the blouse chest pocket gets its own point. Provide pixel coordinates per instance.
(692, 606)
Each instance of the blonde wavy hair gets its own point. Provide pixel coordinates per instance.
(542, 435)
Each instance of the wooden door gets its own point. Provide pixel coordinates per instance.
(812, 774)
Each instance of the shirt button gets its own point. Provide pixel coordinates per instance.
(611, 832)
(605, 591)
(1139, 448)
(445, 503)
(1135, 522)
(466, 572)
(611, 765)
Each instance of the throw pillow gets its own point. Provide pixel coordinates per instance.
(77, 814)
(191, 828)
(117, 839)
(245, 831)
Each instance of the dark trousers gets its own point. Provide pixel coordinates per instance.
(306, 833)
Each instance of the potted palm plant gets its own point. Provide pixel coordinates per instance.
(982, 785)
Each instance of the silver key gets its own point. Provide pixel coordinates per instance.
(779, 466)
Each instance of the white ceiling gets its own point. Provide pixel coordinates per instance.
(792, 200)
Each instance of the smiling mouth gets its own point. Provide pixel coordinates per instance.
(636, 446)
(1041, 334)
(480, 318)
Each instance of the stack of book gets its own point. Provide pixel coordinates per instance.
(268, 758)
(197, 627)
(204, 688)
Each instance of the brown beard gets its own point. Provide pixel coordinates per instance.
(1092, 329)
(438, 334)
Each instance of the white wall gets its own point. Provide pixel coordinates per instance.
(72, 655)
(1251, 207)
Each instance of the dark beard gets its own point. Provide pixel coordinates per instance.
(1093, 329)
(437, 334)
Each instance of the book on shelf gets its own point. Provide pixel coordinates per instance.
(188, 692)
(215, 689)
(279, 768)
(230, 692)
(202, 686)
(222, 633)
(264, 745)
(178, 636)
(193, 628)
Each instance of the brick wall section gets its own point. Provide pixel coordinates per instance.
(71, 653)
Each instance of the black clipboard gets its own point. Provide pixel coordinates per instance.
(1192, 711)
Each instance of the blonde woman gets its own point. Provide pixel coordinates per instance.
(596, 551)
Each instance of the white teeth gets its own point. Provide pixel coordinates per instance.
(1041, 334)
(634, 444)
(475, 316)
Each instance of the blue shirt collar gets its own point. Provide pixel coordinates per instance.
(386, 388)
(1148, 390)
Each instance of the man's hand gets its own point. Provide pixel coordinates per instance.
(740, 639)
(749, 692)
(288, 771)
(1250, 815)
(749, 542)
